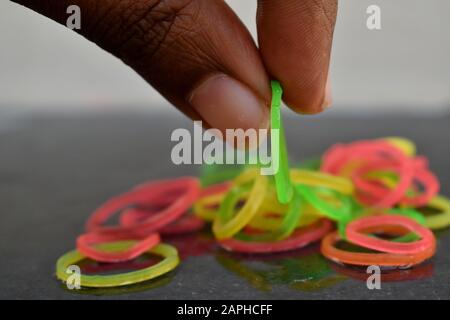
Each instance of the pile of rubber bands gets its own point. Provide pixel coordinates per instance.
(375, 195)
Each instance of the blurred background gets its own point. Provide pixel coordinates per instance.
(403, 68)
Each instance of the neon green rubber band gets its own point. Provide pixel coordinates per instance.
(283, 183)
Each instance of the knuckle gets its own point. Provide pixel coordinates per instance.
(149, 28)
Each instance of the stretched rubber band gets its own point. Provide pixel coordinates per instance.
(300, 238)
(283, 183)
(86, 241)
(226, 225)
(355, 236)
(145, 195)
(329, 250)
(169, 263)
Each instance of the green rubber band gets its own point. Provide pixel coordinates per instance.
(170, 261)
(343, 213)
(283, 183)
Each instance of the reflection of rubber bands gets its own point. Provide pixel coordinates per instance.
(300, 238)
(145, 195)
(86, 245)
(169, 262)
(329, 250)
(226, 224)
(417, 273)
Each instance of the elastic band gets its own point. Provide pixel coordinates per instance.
(329, 250)
(301, 238)
(186, 224)
(206, 207)
(144, 195)
(169, 263)
(86, 244)
(288, 223)
(441, 220)
(226, 225)
(339, 156)
(283, 183)
(320, 179)
(343, 212)
(407, 146)
(354, 235)
(394, 196)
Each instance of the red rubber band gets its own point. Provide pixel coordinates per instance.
(186, 224)
(86, 241)
(432, 186)
(384, 199)
(300, 238)
(145, 195)
(354, 235)
(338, 156)
(215, 189)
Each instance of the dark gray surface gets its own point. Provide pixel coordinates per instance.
(55, 171)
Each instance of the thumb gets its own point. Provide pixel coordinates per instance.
(196, 53)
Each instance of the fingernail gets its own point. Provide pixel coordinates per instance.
(328, 99)
(225, 103)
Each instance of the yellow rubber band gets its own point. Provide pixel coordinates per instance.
(442, 219)
(406, 146)
(320, 179)
(169, 263)
(227, 229)
(204, 209)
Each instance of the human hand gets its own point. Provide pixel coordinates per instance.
(200, 57)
